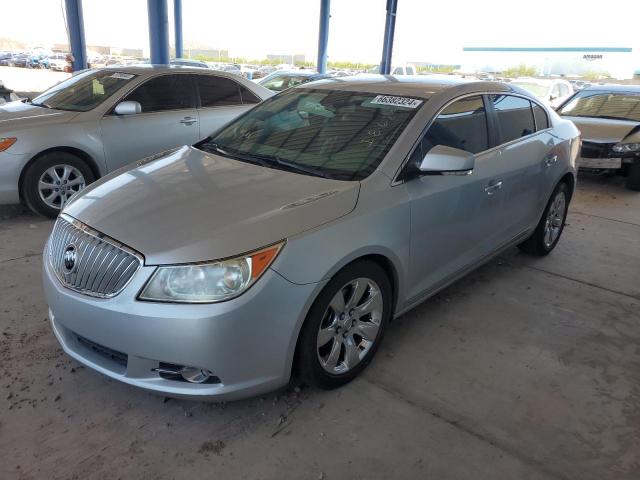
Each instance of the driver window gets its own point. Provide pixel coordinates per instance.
(463, 125)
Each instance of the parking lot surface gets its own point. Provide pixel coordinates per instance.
(526, 369)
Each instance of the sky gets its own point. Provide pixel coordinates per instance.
(426, 30)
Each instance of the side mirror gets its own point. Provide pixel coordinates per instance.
(447, 160)
(128, 108)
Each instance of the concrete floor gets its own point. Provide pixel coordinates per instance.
(526, 369)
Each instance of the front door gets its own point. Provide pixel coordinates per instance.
(456, 220)
(169, 118)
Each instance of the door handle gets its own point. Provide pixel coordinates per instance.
(188, 120)
(550, 160)
(493, 187)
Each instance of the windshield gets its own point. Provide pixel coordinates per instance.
(336, 134)
(618, 106)
(83, 92)
(540, 91)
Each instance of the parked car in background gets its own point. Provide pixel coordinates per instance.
(188, 62)
(19, 60)
(552, 91)
(406, 69)
(263, 71)
(292, 236)
(100, 120)
(7, 95)
(282, 79)
(4, 58)
(609, 119)
(59, 62)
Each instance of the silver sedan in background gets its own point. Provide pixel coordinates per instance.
(100, 120)
(289, 239)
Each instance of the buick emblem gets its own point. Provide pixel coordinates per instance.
(69, 258)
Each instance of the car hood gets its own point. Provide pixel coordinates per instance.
(602, 130)
(191, 206)
(14, 115)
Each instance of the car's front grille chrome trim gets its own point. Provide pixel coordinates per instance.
(102, 266)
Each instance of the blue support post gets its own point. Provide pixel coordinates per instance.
(389, 30)
(158, 31)
(323, 35)
(75, 24)
(177, 22)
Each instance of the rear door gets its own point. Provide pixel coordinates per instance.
(169, 118)
(221, 100)
(456, 220)
(527, 157)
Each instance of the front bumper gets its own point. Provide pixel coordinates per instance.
(247, 342)
(11, 166)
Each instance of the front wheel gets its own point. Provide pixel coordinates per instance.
(551, 225)
(52, 180)
(345, 326)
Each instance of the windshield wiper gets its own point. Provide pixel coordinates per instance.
(264, 160)
(214, 148)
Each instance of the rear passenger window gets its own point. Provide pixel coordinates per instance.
(248, 96)
(515, 117)
(542, 121)
(218, 91)
(463, 125)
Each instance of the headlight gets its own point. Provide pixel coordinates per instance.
(6, 142)
(626, 147)
(209, 282)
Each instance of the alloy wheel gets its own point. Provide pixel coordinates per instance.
(350, 326)
(58, 184)
(555, 219)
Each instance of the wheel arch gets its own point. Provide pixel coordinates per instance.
(570, 180)
(84, 156)
(378, 258)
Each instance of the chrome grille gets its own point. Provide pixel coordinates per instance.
(101, 266)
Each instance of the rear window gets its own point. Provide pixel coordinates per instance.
(542, 120)
(218, 91)
(514, 115)
(616, 106)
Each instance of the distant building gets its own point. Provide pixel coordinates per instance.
(214, 53)
(616, 62)
(290, 59)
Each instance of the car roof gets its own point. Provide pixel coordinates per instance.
(145, 69)
(416, 85)
(612, 88)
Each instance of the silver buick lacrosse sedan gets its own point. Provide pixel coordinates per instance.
(287, 240)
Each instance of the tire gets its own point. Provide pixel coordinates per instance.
(542, 242)
(78, 174)
(343, 332)
(633, 177)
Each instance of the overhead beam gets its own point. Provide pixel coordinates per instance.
(389, 31)
(323, 35)
(177, 22)
(75, 25)
(158, 31)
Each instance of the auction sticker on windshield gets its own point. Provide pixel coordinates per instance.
(396, 101)
(122, 76)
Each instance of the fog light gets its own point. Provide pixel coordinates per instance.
(195, 374)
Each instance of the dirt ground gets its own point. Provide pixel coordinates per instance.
(526, 369)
